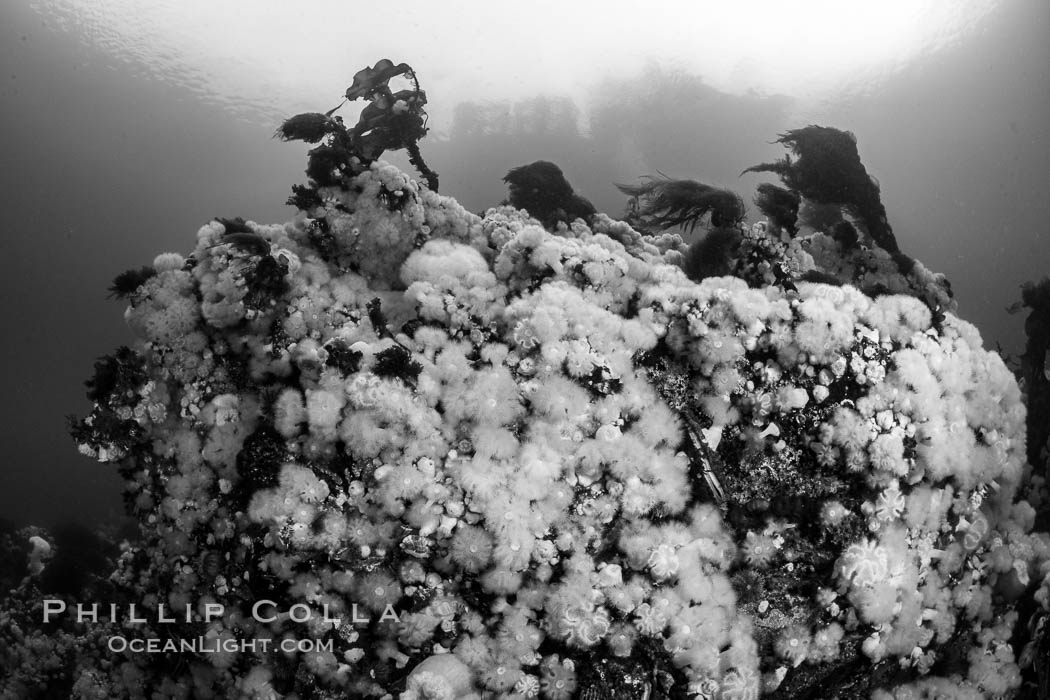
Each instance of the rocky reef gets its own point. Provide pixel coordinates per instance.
(394, 449)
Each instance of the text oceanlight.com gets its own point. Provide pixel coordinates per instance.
(207, 645)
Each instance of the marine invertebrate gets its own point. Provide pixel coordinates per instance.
(793, 644)
(440, 677)
(471, 548)
(558, 679)
(759, 549)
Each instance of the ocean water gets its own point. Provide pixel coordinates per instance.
(111, 155)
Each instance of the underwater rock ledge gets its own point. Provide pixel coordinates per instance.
(467, 456)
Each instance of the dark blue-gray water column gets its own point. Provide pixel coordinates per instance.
(102, 169)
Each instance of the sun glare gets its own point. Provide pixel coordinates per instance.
(265, 52)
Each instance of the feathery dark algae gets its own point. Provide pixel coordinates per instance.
(604, 417)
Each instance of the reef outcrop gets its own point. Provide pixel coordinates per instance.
(418, 451)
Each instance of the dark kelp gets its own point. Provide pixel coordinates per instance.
(666, 203)
(541, 189)
(390, 121)
(827, 169)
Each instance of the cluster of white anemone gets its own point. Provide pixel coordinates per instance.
(523, 483)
